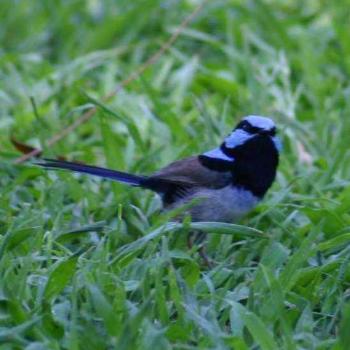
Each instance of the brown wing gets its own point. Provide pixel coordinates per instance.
(190, 171)
(184, 177)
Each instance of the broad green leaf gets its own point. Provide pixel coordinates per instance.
(15, 237)
(59, 277)
(334, 242)
(259, 331)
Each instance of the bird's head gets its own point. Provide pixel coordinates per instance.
(250, 152)
(249, 134)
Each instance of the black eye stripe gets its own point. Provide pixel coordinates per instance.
(254, 130)
(243, 125)
(246, 126)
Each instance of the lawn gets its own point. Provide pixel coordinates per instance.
(90, 264)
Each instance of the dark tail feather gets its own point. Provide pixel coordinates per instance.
(130, 179)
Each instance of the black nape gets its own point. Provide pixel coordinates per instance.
(216, 164)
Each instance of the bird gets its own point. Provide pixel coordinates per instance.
(224, 183)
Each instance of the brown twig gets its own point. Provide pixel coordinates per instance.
(133, 76)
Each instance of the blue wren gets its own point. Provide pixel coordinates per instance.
(228, 181)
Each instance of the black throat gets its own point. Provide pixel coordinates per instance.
(254, 166)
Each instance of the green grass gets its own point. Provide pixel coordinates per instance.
(86, 264)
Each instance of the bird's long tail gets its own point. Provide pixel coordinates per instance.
(130, 179)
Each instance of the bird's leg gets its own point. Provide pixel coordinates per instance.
(195, 238)
(204, 256)
(198, 238)
(189, 240)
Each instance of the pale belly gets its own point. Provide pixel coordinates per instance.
(224, 205)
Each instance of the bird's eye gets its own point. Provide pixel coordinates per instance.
(246, 127)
